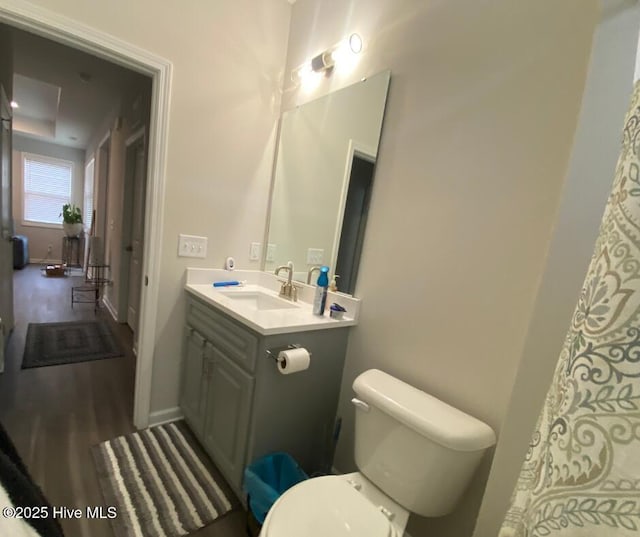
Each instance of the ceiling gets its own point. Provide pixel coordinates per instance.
(63, 94)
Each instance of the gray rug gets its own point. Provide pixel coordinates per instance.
(159, 483)
(66, 343)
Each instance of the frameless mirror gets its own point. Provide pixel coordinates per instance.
(323, 179)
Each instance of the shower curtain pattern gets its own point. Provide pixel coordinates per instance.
(581, 475)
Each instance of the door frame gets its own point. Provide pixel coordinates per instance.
(70, 32)
(139, 136)
(355, 147)
(101, 198)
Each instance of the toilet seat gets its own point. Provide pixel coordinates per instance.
(325, 506)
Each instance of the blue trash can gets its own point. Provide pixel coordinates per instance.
(267, 478)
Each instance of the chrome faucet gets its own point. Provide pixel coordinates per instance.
(288, 290)
(311, 271)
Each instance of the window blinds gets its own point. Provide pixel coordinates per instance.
(47, 187)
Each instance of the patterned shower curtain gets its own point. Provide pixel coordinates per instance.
(581, 475)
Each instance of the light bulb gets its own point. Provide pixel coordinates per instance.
(355, 43)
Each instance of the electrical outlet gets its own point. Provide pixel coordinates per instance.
(49, 248)
(254, 251)
(271, 251)
(192, 246)
(315, 256)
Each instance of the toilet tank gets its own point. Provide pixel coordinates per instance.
(417, 449)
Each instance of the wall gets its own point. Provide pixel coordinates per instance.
(227, 75)
(41, 237)
(593, 159)
(482, 108)
(6, 65)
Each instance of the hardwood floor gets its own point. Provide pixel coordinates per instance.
(55, 414)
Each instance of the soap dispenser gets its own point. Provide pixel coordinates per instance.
(320, 299)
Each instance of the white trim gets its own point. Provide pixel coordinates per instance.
(133, 138)
(104, 140)
(33, 223)
(354, 148)
(107, 304)
(70, 32)
(165, 416)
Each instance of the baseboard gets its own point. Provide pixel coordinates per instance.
(110, 308)
(165, 416)
(45, 261)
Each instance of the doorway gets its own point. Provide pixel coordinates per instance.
(133, 229)
(105, 46)
(354, 221)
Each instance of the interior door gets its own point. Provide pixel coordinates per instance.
(6, 224)
(136, 240)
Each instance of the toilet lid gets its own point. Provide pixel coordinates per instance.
(325, 506)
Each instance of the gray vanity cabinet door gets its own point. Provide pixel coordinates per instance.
(194, 386)
(228, 405)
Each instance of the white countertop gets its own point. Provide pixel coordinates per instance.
(298, 318)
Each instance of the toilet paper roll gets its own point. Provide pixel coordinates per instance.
(293, 360)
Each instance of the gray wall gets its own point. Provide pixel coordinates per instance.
(593, 159)
(482, 108)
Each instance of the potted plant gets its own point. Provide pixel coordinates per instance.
(71, 219)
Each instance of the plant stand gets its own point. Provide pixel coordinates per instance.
(91, 291)
(73, 251)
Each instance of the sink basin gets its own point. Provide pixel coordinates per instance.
(256, 300)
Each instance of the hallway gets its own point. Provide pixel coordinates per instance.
(55, 414)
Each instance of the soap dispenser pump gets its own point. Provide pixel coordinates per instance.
(320, 299)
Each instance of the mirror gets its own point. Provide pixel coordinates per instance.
(323, 179)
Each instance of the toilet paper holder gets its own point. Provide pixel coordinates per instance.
(273, 353)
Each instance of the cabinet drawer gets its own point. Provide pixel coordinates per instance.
(237, 343)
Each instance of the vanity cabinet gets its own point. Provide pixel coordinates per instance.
(194, 378)
(240, 407)
(228, 402)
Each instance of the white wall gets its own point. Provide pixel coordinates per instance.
(593, 159)
(227, 73)
(482, 108)
(41, 237)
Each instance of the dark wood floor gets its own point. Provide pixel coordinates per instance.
(55, 414)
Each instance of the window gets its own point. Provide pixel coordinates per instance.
(87, 209)
(47, 187)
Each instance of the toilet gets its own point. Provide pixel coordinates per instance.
(415, 454)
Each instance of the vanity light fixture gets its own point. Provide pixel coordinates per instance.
(325, 61)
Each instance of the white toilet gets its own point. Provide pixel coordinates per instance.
(415, 453)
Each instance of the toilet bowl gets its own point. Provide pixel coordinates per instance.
(415, 454)
(345, 505)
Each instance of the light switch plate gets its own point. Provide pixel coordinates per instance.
(271, 251)
(192, 246)
(315, 256)
(254, 251)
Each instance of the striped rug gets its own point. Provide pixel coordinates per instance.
(159, 482)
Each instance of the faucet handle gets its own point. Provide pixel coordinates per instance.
(283, 288)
